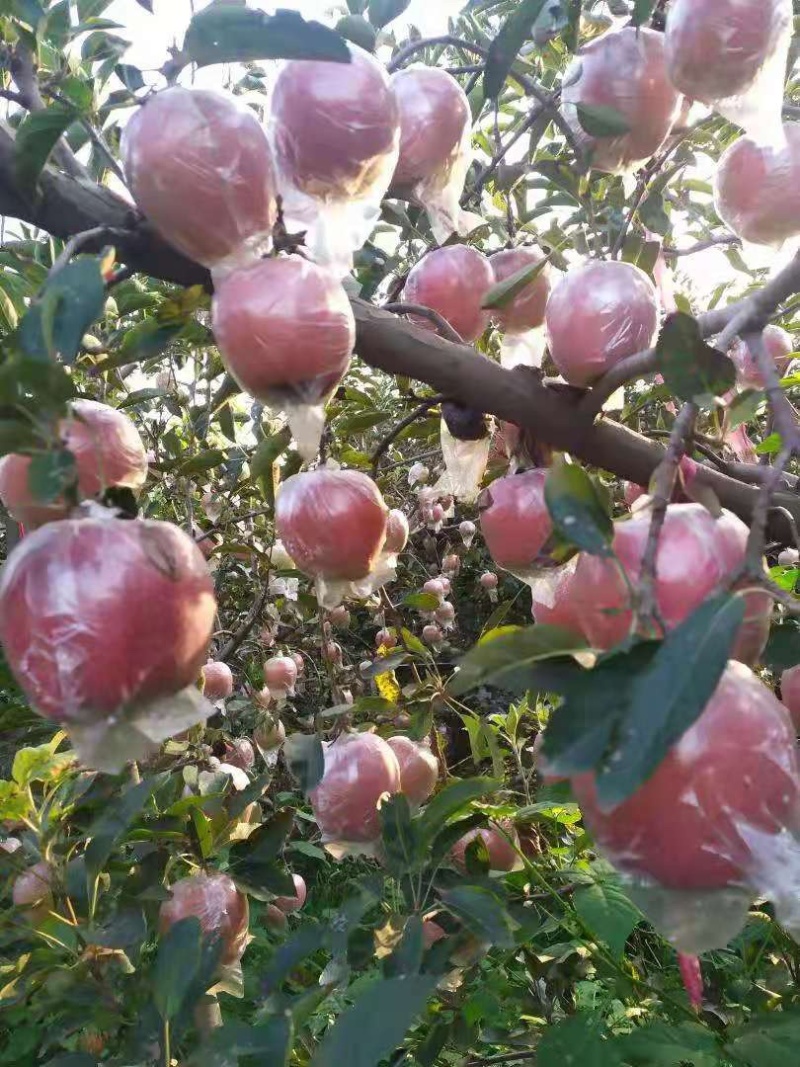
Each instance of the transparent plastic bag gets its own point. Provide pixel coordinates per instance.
(515, 522)
(360, 769)
(80, 633)
(286, 331)
(717, 823)
(452, 281)
(624, 70)
(521, 319)
(598, 314)
(108, 453)
(335, 130)
(757, 188)
(731, 55)
(333, 523)
(435, 144)
(199, 165)
(465, 465)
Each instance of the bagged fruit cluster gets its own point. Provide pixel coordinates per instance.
(119, 679)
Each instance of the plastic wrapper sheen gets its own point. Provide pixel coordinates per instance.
(335, 128)
(80, 633)
(199, 165)
(286, 331)
(221, 909)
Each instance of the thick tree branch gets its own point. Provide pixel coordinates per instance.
(66, 207)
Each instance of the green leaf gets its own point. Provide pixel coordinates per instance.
(376, 1023)
(30, 12)
(670, 694)
(452, 799)
(504, 49)
(176, 966)
(305, 759)
(107, 831)
(483, 912)
(661, 1044)
(692, 369)
(50, 475)
(504, 659)
(14, 804)
(608, 913)
(768, 1041)
(68, 304)
(501, 294)
(308, 940)
(267, 842)
(39, 764)
(355, 28)
(421, 601)
(576, 1041)
(222, 33)
(140, 396)
(783, 647)
(131, 77)
(600, 120)
(402, 842)
(204, 461)
(577, 509)
(37, 136)
(642, 10)
(270, 1042)
(382, 12)
(743, 408)
(263, 461)
(653, 215)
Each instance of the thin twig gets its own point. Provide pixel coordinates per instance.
(240, 636)
(80, 240)
(395, 432)
(701, 246)
(439, 321)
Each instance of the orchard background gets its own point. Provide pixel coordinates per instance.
(267, 882)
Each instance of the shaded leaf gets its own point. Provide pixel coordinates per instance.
(223, 33)
(608, 913)
(577, 509)
(305, 759)
(576, 1041)
(376, 1023)
(177, 965)
(504, 49)
(70, 301)
(504, 659)
(692, 369)
(483, 912)
(600, 120)
(451, 800)
(51, 474)
(270, 1042)
(382, 12)
(36, 137)
(107, 831)
(504, 292)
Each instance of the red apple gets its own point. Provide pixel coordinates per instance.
(453, 281)
(515, 522)
(217, 680)
(199, 165)
(359, 770)
(100, 615)
(419, 768)
(526, 311)
(214, 900)
(597, 315)
(333, 522)
(434, 117)
(108, 454)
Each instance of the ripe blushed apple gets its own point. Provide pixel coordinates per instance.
(217, 680)
(215, 901)
(697, 555)
(332, 522)
(779, 347)
(453, 281)
(731, 781)
(514, 519)
(285, 330)
(99, 615)
(757, 188)
(419, 768)
(716, 48)
(334, 125)
(199, 165)
(598, 314)
(434, 115)
(359, 770)
(280, 674)
(397, 531)
(108, 453)
(624, 70)
(526, 310)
